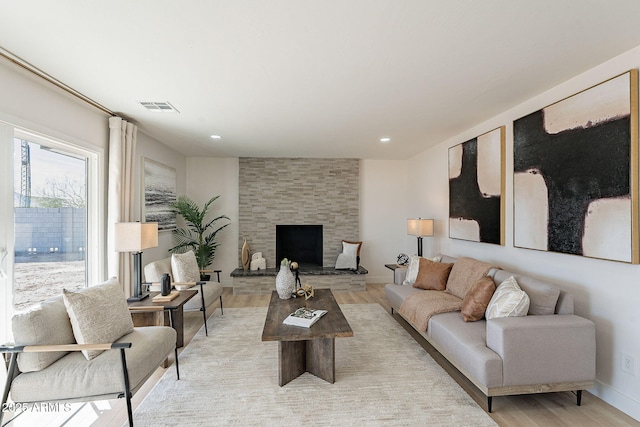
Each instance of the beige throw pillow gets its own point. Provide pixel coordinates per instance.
(185, 267)
(508, 301)
(475, 303)
(46, 323)
(98, 314)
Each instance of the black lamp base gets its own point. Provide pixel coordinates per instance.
(138, 298)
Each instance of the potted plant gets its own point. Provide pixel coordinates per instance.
(200, 234)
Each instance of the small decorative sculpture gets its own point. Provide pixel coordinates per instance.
(306, 291)
(294, 267)
(258, 262)
(246, 255)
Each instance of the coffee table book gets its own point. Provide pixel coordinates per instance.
(304, 317)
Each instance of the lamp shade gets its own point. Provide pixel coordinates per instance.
(135, 236)
(420, 227)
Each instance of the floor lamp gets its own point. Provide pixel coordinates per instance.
(134, 237)
(420, 227)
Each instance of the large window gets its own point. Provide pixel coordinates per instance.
(53, 184)
(50, 222)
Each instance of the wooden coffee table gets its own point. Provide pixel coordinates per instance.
(306, 349)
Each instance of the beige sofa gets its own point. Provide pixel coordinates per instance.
(513, 355)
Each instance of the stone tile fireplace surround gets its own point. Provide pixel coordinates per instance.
(297, 191)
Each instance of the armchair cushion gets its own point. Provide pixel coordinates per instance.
(98, 314)
(46, 323)
(153, 271)
(185, 267)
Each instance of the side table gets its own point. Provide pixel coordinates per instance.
(168, 313)
(393, 268)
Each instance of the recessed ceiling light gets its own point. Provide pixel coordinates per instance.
(216, 137)
(385, 140)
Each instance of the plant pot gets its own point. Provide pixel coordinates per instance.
(205, 277)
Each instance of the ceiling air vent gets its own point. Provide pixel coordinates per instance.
(159, 107)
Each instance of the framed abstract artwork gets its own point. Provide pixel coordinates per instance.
(476, 188)
(159, 189)
(575, 174)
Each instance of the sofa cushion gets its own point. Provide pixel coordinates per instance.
(396, 294)
(432, 275)
(185, 267)
(100, 376)
(508, 301)
(474, 304)
(46, 323)
(464, 345)
(466, 272)
(98, 314)
(543, 296)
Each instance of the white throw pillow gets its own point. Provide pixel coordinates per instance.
(508, 301)
(185, 267)
(98, 314)
(351, 248)
(414, 266)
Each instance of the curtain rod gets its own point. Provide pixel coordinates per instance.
(38, 72)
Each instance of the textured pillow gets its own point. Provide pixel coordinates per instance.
(46, 323)
(414, 266)
(466, 272)
(475, 303)
(98, 314)
(432, 275)
(346, 262)
(351, 248)
(185, 267)
(154, 270)
(508, 301)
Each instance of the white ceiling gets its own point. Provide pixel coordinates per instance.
(311, 78)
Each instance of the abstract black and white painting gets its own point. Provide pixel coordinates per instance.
(159, 193)
(575, 173)
(476, 184)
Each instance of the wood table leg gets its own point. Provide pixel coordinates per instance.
(314, 356)
(178, 325)
(291, 360)
(321, 358)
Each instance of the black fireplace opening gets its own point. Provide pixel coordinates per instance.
(300, 243)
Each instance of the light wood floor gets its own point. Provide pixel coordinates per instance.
(548, 410)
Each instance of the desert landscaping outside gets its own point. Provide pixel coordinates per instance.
(37, 281)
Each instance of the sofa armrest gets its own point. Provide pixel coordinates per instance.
(62, 347)
(544, 349)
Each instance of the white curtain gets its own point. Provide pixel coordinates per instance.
(122, 149)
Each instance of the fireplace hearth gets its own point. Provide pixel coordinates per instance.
(300, 243)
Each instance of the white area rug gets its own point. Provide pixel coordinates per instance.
(383, 377)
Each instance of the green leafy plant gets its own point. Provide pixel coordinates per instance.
(200, 234)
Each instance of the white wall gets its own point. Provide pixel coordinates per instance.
(208, 177)
(606, 292)
(383, 214)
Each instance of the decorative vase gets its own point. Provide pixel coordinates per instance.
(285, 282)
(246, 255)
(165, 284)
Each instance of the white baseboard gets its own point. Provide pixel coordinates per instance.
(616, 399)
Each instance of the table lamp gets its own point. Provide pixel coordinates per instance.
(420, 227)
(134, 237)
